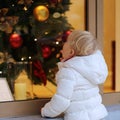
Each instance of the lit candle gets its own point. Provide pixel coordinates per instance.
(20, 91)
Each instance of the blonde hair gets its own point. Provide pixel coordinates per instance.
(83, 42)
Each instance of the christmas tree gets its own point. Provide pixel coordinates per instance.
(32, 32)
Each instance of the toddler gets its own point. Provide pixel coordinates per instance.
(81, 70)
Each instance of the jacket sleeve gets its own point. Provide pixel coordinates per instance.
(61, 100)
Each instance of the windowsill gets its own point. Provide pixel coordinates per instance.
(32, 107)
(21, 108)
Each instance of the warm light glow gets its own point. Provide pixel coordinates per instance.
(22, 59)
(57, 43)
(46, 33)
(30, 57)
(13, 5)
(25, 8)
(35, 39)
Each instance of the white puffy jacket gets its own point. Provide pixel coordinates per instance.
(77, 94)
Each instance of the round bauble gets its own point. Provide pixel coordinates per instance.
(41, 13)
(46, 51)
(65, 35)
(15, 40)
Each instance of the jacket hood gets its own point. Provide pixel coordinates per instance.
(92, 67)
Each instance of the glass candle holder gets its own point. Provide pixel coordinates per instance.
(20, 81)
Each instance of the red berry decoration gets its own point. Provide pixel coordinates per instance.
(46, 51)
(15, 40)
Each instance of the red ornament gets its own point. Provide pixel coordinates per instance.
(53, 1)
(46, 51)
(15, 40)
(65, 35)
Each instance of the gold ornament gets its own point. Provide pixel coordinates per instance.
(41, 13)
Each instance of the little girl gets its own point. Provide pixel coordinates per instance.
(81, 70)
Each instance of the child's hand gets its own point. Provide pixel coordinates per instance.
(62, 60)
(41, 112)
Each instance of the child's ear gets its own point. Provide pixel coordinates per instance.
(72, 52)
